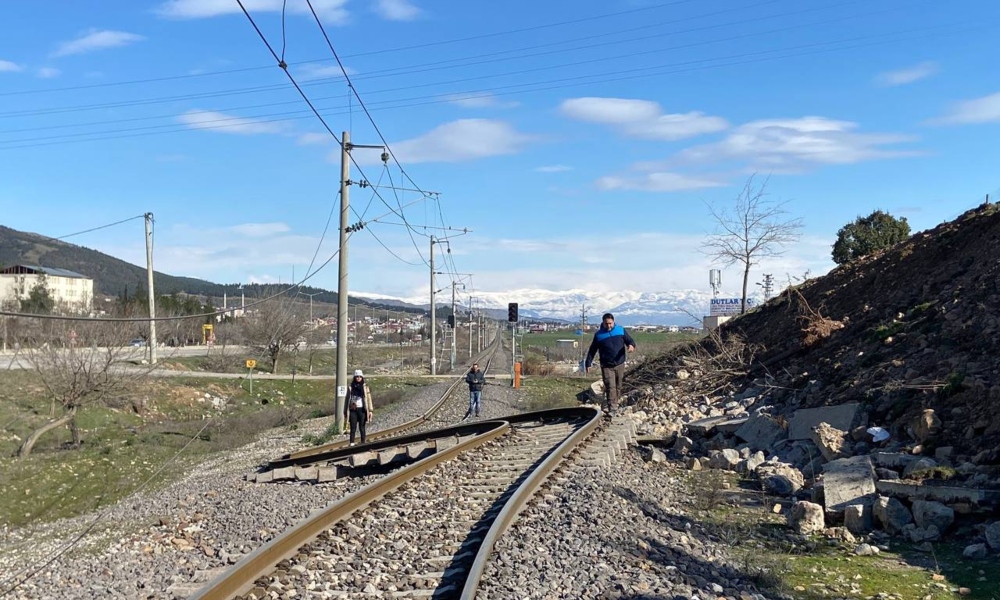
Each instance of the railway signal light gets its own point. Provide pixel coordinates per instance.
(512, 312)
(451, 321)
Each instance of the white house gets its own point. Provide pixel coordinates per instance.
(68, 288)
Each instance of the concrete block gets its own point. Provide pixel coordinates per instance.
(947, 494)
(325, 474)
(265, 477)
(283, 474)
(761, 431)
(306, 473)
(848, 481)
(418, 450)
(361, 459)
(859, 518)
(803, 420)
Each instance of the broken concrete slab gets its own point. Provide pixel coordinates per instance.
(929, 512)
(731, 424)
(761, 431)
(706, 425)
(779, 478)
(947, 494)
(892, 514)
(803, 420)
(859, 518)
(893, 460)
(848, 481)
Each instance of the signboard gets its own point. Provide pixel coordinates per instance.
(341, 391)
(729, 306)
(251, 363)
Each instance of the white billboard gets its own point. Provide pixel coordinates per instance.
(728, 306)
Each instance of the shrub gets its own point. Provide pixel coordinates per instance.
(866, 235)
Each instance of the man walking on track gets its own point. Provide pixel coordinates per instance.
(476, 380)
(612, 342)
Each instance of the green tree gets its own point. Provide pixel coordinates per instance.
(39, 300)
(865, 235)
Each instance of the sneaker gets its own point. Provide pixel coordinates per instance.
(351, 445)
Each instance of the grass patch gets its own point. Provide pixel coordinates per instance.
(551, 392)
(126, 440)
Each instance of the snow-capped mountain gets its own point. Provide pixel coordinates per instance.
(681, 307)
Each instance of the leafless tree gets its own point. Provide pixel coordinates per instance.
(273, 327)
(79, 363)
(752, 229)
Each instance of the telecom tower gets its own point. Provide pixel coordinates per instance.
(715, 280)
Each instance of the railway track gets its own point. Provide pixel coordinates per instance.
(425, 530)
(442, 411)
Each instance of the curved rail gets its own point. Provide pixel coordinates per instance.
(241, 578)
(489, 354)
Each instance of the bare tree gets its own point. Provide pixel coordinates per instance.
(78, 363)
(754, 228)
(273, 327)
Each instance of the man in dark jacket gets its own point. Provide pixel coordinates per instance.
(476, 380)
(613, 342)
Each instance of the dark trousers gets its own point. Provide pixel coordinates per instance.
(358, 418)
(612, 377)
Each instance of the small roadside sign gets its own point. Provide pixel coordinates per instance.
(251, 363)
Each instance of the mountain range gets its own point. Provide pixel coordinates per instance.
(683, 307)
(114, 277)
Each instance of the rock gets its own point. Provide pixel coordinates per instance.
(780, 479)
(929, 512)
(806, 517)
(682, 374)
(975, 551)
(655, 455)
(992, 533)
(925, 425)
(750, 464)
(726, 459)
(858, 518)
(832, 442)
(693, 463)
(892, 514)
(683, 445)
(866, 550)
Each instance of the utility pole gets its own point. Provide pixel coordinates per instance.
(454, 328)
(152, 295)
(345, 204)
(311, 303)
(470, 327)
(433, 322)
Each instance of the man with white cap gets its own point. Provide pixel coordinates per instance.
(358, 409)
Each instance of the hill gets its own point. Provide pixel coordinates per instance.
(911, 334)
(114, 277)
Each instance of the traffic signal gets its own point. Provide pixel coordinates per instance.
(512, 312)
(451, 321)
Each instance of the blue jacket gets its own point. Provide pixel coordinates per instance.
(611, 344)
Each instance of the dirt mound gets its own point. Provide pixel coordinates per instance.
(916, 327)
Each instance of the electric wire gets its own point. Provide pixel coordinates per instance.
(356, 55)
(561, 83)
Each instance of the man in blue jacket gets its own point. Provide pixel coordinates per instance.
(613, 342)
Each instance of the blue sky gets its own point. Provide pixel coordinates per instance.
(578, 141)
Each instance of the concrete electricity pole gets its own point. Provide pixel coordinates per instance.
(345, 204)
(152, 295)
(433, 319)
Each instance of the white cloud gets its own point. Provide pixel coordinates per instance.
(9, 67)
(48, 72)
(553, 169)
(260, 229)
(313, 70)
(641, 118)
(95, 39)
(977, 110)
(485, 100)
(397, 10)
(332, 11)
(657, 182)
(907, 75)
(221, 122)
(461, 140)
(313, 138)
(795, 144)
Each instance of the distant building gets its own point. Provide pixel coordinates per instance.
(70, 290)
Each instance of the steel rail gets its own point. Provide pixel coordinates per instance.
(393, 431)
(240, 579)
(519, 499)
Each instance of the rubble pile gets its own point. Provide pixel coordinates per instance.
(869, 398)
